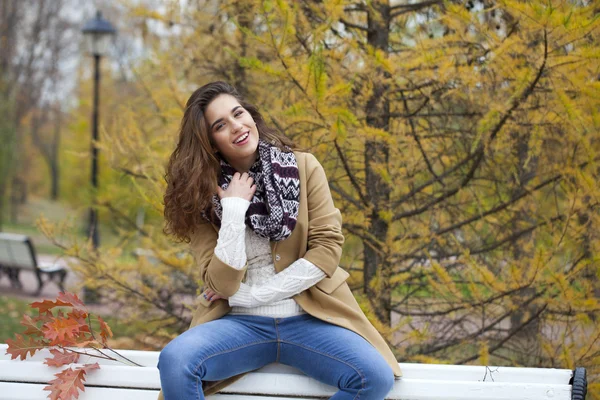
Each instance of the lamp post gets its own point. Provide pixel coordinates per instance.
(98, 34)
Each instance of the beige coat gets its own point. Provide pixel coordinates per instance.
(317, 238)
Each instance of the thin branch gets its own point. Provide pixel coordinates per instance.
(129, 221)
(345, 195)
(407, 8)
(493, 210)
(350, 175)
(416, 137)
(355, 26)
(480, 151)
(508, 337)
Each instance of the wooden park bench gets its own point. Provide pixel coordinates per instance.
(17, 253)
(24, 380)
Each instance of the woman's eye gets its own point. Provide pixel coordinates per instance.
(238, 113)
(219, 126)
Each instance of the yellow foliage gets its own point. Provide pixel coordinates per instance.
(479, 197)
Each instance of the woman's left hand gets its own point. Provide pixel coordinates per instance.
(211, 296)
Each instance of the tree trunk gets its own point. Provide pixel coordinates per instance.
(376, 266)
(54, 157)
(528, 336)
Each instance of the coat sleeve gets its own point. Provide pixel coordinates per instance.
(217, 275)
(325, 238)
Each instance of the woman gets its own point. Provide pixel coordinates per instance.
(267, 238)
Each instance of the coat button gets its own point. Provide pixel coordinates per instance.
(277, 257)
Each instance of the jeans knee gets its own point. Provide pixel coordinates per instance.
(173, 359)
(167, 357)
(378, 382)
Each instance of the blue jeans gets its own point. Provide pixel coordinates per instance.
(235, 344)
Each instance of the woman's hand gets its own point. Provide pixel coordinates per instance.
(241, 185)
(211, 296)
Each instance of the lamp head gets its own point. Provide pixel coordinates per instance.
(98, 33)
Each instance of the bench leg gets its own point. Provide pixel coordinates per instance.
(13, 275)
(38, 274)
(61, 282)
(60, 279)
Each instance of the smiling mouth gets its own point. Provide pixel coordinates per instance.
(242, 138)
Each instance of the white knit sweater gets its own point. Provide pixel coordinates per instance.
(263, 292)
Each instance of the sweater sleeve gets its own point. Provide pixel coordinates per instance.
(231, 243)
(296, 278)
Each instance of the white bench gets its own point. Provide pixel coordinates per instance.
(24, 380)
(17, 253)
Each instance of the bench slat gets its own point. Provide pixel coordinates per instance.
(109, 375)
(410, 370)
(297, 385)
(32, 391)
(415, 390)
(20, 391)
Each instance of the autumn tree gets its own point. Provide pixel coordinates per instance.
(460, 140)
(457, 156)
(37, 41)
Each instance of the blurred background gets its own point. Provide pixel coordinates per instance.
(460, 139)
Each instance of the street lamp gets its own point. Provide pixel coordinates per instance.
(98, 34)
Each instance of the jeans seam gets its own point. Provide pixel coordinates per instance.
(362, 377)
(229, 351)
(198, 386)
(278, 341)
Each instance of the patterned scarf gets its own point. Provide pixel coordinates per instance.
(274, 208)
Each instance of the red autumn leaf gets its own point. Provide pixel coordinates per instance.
(54, 389)
(81, 318)
(105, 331)
(73, 300)
(66, 386)
(61, 358)
(69, 382)
(31, 325)
(60, 329)
(46, 305)
(20, 347)
(89, 367)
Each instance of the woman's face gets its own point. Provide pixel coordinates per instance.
(233, 131)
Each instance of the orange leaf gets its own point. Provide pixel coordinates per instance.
(60, 329)
(46, 305)
(54, 389)
(89, 367)
(105, 331)
(81, 318)
(68, 382)
(73, 300)
(31, 325)
(20, 347)
(61, 358)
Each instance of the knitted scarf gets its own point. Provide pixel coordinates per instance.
(274, 208)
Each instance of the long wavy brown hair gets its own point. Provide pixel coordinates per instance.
(194, 167)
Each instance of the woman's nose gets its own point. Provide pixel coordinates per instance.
(236, 125)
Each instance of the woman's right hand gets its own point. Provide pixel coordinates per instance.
(241, 185)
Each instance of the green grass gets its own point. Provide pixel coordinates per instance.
(11, 311)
